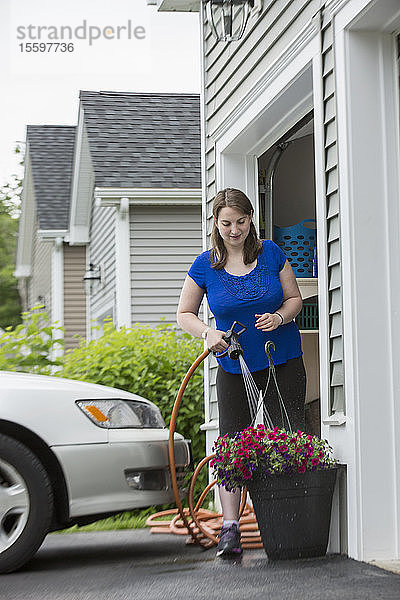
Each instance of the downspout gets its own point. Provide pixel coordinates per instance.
(122, 265)
(269, 188)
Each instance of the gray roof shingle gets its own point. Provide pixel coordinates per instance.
(51, 149)
(143, 140)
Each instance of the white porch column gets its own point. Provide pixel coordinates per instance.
(369, 158)
(122, 265)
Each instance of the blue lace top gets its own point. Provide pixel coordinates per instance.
(240, 298)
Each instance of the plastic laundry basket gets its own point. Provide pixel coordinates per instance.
(297, 242)
(307, 319)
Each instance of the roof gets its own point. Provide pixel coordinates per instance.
(143, 140)
(51, 151)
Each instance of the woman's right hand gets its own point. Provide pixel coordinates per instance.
(215, 341)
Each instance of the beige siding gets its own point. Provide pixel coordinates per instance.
(74, 295)
(164, 242)
(39, 289)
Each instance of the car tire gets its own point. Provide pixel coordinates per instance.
(26, 504)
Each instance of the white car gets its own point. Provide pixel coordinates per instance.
(74, 452)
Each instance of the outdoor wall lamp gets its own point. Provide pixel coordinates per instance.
(222, 16)
(91, 279)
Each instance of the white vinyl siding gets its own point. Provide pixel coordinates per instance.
(164, 242)
(102, 253)
(232, 69)
(337, 396)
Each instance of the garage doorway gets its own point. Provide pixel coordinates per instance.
(287, 215)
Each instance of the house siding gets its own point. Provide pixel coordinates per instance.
(40, 281)
(164, 242)
(102, 253)
(230, 71)
(74, 295)
(336, 366)
(85, 179)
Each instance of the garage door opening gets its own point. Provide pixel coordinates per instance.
(287, 215)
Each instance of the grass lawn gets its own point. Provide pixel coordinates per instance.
(135, 519)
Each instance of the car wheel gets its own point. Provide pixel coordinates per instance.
(26, 504)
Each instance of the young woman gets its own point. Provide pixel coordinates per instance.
(247, 280)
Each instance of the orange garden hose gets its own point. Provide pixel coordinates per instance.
(202, 525)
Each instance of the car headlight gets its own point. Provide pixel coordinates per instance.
(117, 414)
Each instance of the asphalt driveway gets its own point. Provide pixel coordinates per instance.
(137, 565)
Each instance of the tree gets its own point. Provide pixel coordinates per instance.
(10, 303)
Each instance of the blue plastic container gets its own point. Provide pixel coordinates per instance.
(297, 242)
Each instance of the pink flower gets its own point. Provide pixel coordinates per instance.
(283, 436)
(314, 461)
(302, 469)
(271, 436)
(283, 448)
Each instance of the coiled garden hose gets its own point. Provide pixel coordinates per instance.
(196, 524)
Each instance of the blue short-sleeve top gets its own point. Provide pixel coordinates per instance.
(239, 298)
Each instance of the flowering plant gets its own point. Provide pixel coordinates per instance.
(273, 451)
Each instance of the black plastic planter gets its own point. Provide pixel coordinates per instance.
(293, 512)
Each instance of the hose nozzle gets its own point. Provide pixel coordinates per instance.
(234, 350)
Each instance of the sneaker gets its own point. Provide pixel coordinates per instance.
(229, 542)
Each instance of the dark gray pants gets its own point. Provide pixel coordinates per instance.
(234, 413)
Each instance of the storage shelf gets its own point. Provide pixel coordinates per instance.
(308, 286)
(307, 280)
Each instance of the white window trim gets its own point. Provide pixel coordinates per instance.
(106, 309)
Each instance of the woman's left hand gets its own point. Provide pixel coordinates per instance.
(268, 321)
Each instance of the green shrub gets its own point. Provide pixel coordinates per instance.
(32, 346)
(150, 362)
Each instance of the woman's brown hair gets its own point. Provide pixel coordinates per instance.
(252, 245)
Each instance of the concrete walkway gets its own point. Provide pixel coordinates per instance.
(136, 565)
(388, 565)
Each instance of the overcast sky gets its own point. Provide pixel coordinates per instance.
(161, 54)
